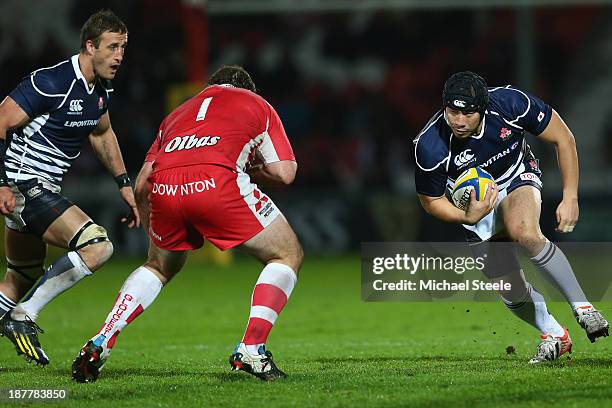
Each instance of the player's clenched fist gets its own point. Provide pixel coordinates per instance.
(567, 215)
(7, 200)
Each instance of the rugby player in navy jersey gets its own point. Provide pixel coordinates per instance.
(480, 126)
(43, 124)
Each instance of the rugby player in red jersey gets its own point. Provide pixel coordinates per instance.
(197, 183)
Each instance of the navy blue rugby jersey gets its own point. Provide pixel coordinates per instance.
(63, 111)
(500, 148)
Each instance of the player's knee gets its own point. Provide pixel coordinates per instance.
(293, 255)
(532, 243)
(96, 255)
(92, 243)
(528, 237)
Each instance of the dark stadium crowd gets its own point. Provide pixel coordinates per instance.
(353, 89)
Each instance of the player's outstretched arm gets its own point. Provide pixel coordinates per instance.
(106, 147)
(280, 173)
(444, 210)
(11, 116)
(561, 136)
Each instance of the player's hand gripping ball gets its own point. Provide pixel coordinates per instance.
(475, 179)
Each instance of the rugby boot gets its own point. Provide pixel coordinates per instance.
(24, 335)
(551, 347)
(87, 365)
(591, 320)
(261, 365)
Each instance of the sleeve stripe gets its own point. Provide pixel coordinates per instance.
(416, 144)
(513, 122)
(41, 92)
(416, 140)
(416, 160)
(267, 149)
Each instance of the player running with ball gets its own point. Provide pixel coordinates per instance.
(480, 126)
(196, 184)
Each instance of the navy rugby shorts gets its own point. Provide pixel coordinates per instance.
(38, 204)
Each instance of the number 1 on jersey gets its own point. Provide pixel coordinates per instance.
(203, 109)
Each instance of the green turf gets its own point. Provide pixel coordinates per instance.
(337, 350)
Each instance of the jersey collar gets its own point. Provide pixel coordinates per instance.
(77, 71)
(484, 120)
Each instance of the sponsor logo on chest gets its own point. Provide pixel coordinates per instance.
(190, 142)
(500, 155)
(81, 123)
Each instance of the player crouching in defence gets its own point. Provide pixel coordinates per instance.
(196, 184)
(480, 126)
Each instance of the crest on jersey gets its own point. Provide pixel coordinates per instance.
(100, 103)
(505, 133)
(75, 107)
(464, 158)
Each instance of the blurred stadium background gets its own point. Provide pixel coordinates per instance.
(353, 80)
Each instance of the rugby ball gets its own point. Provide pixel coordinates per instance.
(475, 179)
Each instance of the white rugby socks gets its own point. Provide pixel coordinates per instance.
(137, 293)
(61, 276)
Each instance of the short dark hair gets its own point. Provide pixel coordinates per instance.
(234, 75)
(97, 24)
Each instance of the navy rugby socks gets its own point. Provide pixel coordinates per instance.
(6, 304)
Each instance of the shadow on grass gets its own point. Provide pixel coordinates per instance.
(151, 372)
(234, 377)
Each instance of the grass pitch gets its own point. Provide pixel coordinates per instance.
(336, 349)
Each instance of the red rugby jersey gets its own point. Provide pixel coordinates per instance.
(221, 125)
